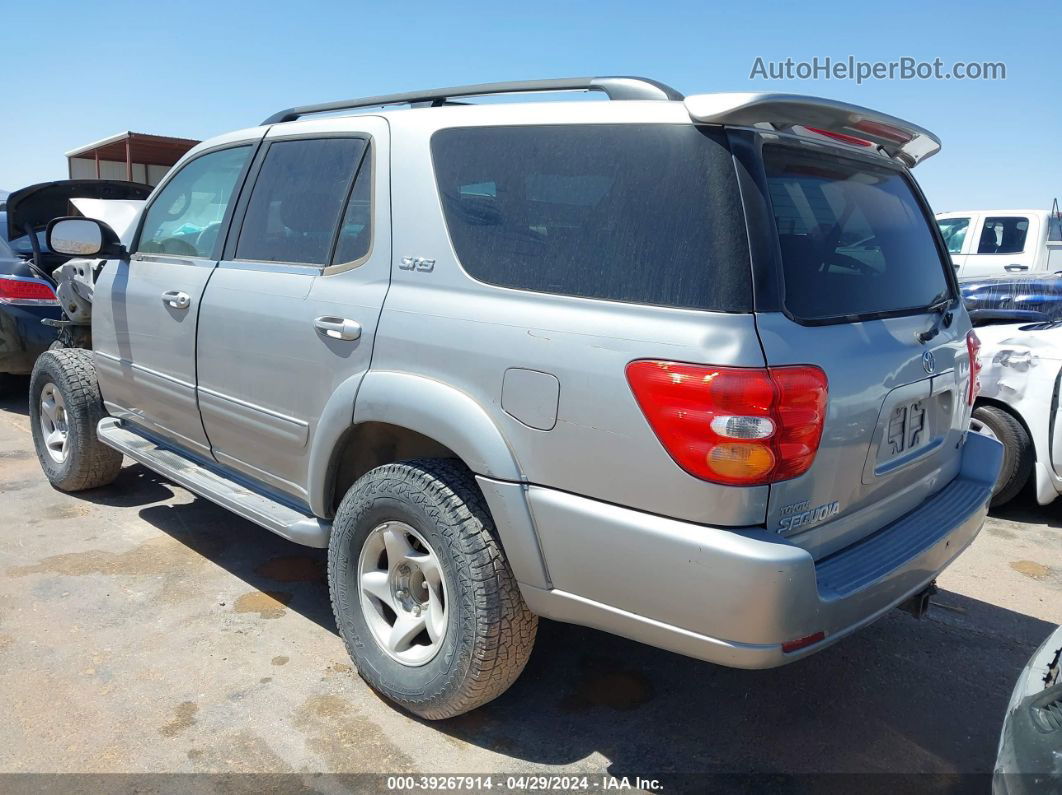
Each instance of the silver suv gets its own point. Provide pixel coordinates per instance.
(692, 370)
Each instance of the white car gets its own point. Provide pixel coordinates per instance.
(1019, 405)
(1001, 242)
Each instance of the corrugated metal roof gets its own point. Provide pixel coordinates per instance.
(159, 150)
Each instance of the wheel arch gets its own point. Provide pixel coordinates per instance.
(400, 416)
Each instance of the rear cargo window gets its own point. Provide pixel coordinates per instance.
(643, 213)
(853, 237)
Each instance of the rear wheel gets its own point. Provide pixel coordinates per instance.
(64, 408)
(1018, 454)
(424, 598)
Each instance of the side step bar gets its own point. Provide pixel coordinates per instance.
(270, 514)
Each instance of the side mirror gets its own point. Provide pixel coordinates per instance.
(84, 237)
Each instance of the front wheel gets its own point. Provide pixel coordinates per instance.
(424, 599)
(1018, 453)
(64, 408)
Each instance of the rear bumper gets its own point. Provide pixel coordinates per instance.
(734, 596)
(23, 337)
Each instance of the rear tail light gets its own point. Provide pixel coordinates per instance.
(973, 347)
(26, 291)
(733, 425)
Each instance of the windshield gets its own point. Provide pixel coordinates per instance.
(954, 231)
(23, 245)
(854, 239)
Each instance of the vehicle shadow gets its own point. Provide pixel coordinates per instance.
(295, 574)
(15, 396)
(1024, 508)
(135, 486)
(901, 695)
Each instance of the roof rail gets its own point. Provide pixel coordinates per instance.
(618, 88)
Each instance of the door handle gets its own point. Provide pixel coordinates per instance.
(338, 328)
(1014, 268)
(176, 299)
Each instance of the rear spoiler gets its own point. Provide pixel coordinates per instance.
(896, 138)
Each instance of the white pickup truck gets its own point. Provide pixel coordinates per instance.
(998, 242)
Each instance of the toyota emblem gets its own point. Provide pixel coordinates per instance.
(928, 362)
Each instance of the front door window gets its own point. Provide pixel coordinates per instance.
(186, 217)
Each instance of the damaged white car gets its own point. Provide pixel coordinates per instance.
(1019, 405)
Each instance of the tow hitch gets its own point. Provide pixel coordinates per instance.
(918, 605)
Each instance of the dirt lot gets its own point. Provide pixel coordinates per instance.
(144, 629)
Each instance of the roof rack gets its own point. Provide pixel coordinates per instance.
(617, 88)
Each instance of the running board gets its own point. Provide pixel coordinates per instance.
(270, 514)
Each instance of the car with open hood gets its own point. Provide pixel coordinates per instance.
(27, 289)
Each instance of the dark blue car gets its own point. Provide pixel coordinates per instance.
(1035, 293)
(27, 293)
(25, 299)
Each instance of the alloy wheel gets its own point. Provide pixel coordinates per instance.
(403, 593)
(53, 423)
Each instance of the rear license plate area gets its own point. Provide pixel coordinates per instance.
(911, 429)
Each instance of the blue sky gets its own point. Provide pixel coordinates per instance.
(80, 71)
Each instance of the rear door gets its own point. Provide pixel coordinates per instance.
(1003, 244)
(860, 264)
(290, 314)
(146, 308)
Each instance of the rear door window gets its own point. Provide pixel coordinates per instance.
(642, 213)
(1003, 235)
(954, 231)
(854, 239)
(355, 232)
(295, 206)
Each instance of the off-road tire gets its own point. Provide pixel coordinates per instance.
(490, 630)
(1018, 453)
(89, 463)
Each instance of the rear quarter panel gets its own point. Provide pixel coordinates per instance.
(445, 325)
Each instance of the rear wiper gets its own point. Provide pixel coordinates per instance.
(940, 305)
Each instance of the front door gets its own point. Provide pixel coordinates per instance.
(288, 319)
(1004, 244)
(146, 308)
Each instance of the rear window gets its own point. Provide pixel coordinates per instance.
(854, 239)
(297, 200)
(643, 213)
